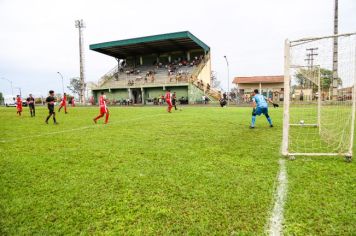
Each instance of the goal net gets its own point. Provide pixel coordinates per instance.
(319, 96)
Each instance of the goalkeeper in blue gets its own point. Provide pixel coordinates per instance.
(260, 106)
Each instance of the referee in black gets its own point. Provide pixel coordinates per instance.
(31, 104)
(174, 100)
(50, 104)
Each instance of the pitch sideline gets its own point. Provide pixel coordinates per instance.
(275, 223)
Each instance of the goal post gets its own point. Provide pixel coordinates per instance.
(319, 107)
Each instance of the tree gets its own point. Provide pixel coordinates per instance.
(1, 98)
(326, 78)
(215, 83)
(75, 85)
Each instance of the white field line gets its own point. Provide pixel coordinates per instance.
(76, 129)
(275, 227)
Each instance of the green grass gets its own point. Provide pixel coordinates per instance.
(199, 171)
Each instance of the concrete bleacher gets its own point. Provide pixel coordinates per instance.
(145, 75)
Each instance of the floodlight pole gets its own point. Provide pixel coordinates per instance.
(80, 25)
(19, 90)
(12, 89)
(228, 81)
(62, 81)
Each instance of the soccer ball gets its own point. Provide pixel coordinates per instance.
(301, 122)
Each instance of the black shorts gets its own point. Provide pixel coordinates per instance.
(32, 106)
(173, 102)
(51, 110)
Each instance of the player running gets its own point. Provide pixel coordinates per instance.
(260, 106)
(31, 104)
(50, 104)
(103, 109)
(18, 105)
(63, 104)
(168, 98)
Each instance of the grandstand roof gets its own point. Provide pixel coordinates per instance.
(162, 43)
(259, 79)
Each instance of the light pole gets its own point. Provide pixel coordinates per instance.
(19, 90)
(62, 81)
(228, 81)
(12, 89)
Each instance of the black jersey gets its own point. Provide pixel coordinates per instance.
(50, 102)
(30, 100)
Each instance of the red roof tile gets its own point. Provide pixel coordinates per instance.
(259, 79)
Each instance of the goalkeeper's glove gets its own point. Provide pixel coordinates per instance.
(275, 105)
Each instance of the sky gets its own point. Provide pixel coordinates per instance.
(38, 38)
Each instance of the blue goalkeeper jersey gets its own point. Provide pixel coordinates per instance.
(260, 101)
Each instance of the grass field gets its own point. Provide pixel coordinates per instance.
(200, 171)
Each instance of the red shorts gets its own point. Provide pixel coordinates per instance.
(19, 108)
(103, 110)
(63, 104)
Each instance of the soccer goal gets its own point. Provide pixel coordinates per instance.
(319, 96)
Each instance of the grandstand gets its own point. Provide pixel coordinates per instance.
(147, 66)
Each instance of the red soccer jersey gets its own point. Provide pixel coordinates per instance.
(19, 102)
(168, 96)
(102, 104)
(64, 100)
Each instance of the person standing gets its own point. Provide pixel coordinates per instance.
(63, 104)
(50, 105)
(31, 104)
(168, 98)
(174, 100)
(103, 109)
(73, 102)
(18, 105)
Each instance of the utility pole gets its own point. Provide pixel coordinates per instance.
(335, 51)
(80, 25)
(310, 56)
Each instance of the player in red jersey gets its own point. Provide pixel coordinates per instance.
(103, 109)
(73, 102)
(63, 104)
(168, 98)
(18, 105)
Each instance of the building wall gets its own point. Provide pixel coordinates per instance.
(264, 86)
(205, 74)
(194, 94)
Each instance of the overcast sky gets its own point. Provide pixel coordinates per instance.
(39, 38)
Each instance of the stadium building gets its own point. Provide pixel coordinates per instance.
(148, 66)
(269, 86)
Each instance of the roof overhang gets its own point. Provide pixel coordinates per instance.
(162, 43)
(259, 79)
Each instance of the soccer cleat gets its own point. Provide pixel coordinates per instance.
(46, 122)
(271, 126)
(94, 121)
(252, 127)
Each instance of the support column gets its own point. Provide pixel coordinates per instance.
(141, 60)
(188, 56)
(143, 95)
(129, 91)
